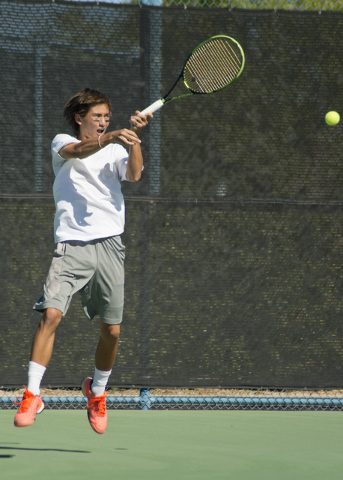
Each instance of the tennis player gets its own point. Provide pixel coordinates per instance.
(89, 256)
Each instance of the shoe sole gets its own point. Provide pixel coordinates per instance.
(83, 384)
(95, 428)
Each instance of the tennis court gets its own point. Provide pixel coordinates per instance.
(234, 241)
(175, 445)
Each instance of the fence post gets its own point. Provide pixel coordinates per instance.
(144, 400)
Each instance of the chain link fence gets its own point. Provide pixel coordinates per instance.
(186, 399)
(293, 6)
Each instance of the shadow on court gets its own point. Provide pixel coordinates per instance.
(43, 450)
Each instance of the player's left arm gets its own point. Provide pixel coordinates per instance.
(135, 160)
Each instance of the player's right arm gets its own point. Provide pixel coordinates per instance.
(89, 146)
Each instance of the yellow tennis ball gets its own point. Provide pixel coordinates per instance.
(332, 118)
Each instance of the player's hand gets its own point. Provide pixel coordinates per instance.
(138, 121)
(125, 137)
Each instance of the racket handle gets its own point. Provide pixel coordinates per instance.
(153, 107)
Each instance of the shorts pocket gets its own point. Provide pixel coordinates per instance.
(116, 244)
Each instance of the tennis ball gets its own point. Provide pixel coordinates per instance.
(332, 118)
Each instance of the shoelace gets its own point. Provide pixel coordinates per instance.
(25, 401)
(99, 404)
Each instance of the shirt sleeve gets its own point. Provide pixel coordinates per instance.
(121, 162)
(60, 141)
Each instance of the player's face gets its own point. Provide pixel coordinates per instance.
(95, 123)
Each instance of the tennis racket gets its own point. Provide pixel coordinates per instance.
(212, 66)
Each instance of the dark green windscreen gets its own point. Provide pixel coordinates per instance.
(234, 233)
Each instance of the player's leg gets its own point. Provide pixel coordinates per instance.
(43, 340)
(94, 388)
(71, 268)
(105, 296)
(107, 347)
(104, 357)
(42, 346)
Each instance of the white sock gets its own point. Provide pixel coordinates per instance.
(100, 380)
(36, 372)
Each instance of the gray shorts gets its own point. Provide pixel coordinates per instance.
(96, 270)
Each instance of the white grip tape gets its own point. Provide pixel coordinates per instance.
(153, 107)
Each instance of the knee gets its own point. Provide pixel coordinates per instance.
(51, 318)
(111, 333)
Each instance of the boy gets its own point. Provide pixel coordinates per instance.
(89, 256)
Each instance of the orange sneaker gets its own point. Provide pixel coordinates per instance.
(96, 407)
(29, 405)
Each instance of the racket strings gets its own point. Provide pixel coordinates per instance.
(212, 66)
(224, 58)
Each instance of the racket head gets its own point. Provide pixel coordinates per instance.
(213, 65)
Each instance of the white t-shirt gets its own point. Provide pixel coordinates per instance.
(88, 198)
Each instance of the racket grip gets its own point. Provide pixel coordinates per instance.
(153, 107)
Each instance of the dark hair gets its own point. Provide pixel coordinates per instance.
(81, 103)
